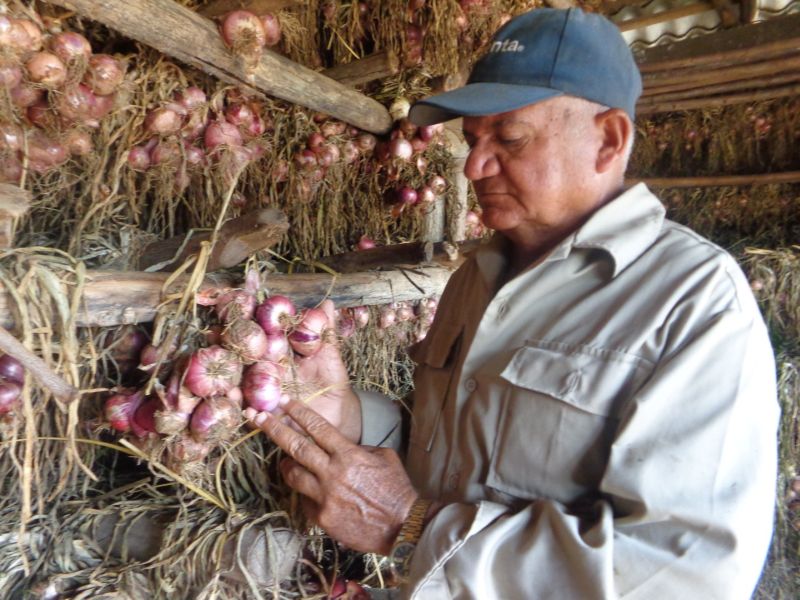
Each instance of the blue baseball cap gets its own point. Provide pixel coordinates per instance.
(538, 55)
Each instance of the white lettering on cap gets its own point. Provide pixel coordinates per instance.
(507, 46)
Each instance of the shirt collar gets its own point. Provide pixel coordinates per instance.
(623, 228)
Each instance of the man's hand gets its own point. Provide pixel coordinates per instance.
(339, 405)
(360, 496)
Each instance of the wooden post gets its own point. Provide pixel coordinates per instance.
(666, 15)
(259, 7)
(457, 211)
(433, 223)
(184, 34)
(14, 203)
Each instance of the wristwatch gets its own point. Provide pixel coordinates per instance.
(406, 540)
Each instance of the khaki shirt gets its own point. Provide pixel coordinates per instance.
(603, 425)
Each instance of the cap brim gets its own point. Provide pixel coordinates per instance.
(477, 100)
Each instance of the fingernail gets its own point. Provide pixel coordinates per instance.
(260, 418)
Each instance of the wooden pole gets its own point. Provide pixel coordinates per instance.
(722, 88)
(375, 66)
(718, 101)
(765, 51)
(183, 34)
(259, 7)
(410, 254)
(658, 83)
(717, 180)
(113, 298)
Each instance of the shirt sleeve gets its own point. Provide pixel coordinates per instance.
(685, 505)
(381, 423)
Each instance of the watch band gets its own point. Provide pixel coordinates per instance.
(411, 529)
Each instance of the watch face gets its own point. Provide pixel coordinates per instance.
(401, 558)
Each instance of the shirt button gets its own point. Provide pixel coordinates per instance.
(502, 309)
(452, 480)
(470, 385)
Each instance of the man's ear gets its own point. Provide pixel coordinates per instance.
(615, 130)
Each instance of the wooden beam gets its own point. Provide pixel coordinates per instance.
(259, 7)
(746, 36)
(726, 58)
(682, 80)
(718, 101)
(183, 34)
(722, 88)
(717, 180)
(375, 66)
(663, 16)
(113, 298)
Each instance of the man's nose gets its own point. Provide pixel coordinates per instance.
(480, 163)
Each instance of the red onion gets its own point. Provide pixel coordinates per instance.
(425, 195)
(407, 128)
(76, 102)
(143, 422)
(10, 76)
(246, 338)
(243, 32)
(47, 69)
(102, 106)
(235, 304)
(25, 95)
(261, 386)
(332, 128)
(44, 152)
(256, 127)
(236, 396)
(179, 404)
(14, 38)
(79, 142)
(366, 142)
(306, 159)
(407, 195)
(194, 156)
(315, 141)
(328, 155)
(166, 152)
(194, 127)
(10, 137)
(404, 312)
(221, 133)
(400, 148)
(428, 132)
(11, 369)
(191, 98)
(275, 314)
(139, 158)
(350, 152)
(214, 334)
(365, 243)
(70, 46)
(104, 74)
(188, 450)
(277, 348)
(345, 323)
(307, 337)
(239, 114)
(272, 29)
(10, 392)
(163, 121)
(32, 31)
(119, 409)
(388, 317)
(438, 184)
(212, 370)
(418, 145)
(214, 419)
(10, 170)
(361, 316)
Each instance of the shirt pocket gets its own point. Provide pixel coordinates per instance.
(560, 415)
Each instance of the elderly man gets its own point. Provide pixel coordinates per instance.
(595, 413)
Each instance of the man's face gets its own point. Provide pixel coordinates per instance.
(532, 168)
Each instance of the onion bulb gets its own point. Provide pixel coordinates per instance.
(307, 337)
(119, 408)
(70, 46)
(11, 369)
(272, 29)
(10, 392)
(47, 69)
(214, 419)
(275, 314)
(143, 422)
(235, 304)
(163, 121)
(261, 386)
(104, 74)
(221, 133)
(244, 33)
(246, 338)
(212, 370)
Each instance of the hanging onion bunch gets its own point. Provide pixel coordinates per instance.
(247, 34)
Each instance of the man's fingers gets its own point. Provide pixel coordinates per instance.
(295, 444)
(301, 479)
(326, 435)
